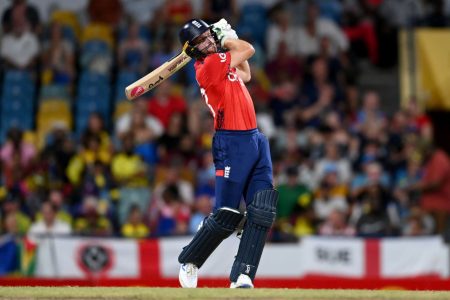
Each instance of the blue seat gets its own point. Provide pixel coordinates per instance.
(16, 91)
(94, 91)
(253, 22)
(21, 120)
(92, 51)
(17, 106)
(96, 47)
(93, 78)
(144, 33)
(13, 76)
(54, 92)
(127, 78)
(69, 34)
(123, 80)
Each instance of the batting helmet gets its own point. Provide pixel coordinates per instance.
(190, 31)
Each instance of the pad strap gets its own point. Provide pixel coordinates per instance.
(217, 227)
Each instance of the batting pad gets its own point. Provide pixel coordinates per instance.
(215, 229)
(261, 214)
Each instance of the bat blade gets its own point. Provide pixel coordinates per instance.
(154, 78)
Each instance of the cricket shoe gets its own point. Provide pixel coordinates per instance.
(188, 275)
(243, 282)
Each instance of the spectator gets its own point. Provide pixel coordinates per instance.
(17, 156)
(284, 66)
(330, 195)
(435, 186)
(177, 12)
(58, 61)
(315, 29)
(174, 214)
(370, 113)
(418, 223)
(49, 226)
(56, 199)
(105, 11)
(9, 245)
(333, 160)
(58, 150)
(16, 145)
(23, 10)
(135, 226)
(313, 111)
(90, 153)
(130, 173)
(282, 31)
(206, 175)
(373, 174)
(172, 177)
(203, 207)
(164, 104)
(374, 219)
(132, 52)
(92, 222)
(176, 137)
(124, 123)
(293, 208)
(292, 194)
(11, 208)
(284, 101)
(20, 48)
(96, 127)
(336, 225)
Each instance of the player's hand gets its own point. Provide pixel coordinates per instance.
(223, 31)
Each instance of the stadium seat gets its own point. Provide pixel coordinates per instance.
(54, 106)
(93, 78)
(69, 19)
(253, 22)
(15, 76)
(123, 80)
(144, 33)
(51, 92)
(98, 31)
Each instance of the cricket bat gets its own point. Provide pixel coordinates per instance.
(154, 78)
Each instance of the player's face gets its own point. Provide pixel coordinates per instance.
(206, 43)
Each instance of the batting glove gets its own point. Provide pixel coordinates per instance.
(223, 31)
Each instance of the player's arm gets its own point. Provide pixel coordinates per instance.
(240, 52)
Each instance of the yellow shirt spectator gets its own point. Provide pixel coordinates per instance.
(129, 170)
(138, 231)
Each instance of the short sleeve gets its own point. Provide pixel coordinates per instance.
(216, 67)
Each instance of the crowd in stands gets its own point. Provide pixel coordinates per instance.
(92, 164)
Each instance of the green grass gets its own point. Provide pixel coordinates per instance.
(207, 293)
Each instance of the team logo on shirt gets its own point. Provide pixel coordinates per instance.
(226, 173)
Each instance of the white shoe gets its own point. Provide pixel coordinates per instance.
(243, 282)
(188, 275)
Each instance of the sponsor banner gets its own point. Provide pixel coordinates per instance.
(156, 260)
(333, 256)
(412, 257)
(87, 258)
(318, 256)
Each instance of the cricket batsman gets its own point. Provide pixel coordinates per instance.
(241, 153)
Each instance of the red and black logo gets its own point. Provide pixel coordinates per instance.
(95, 259)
